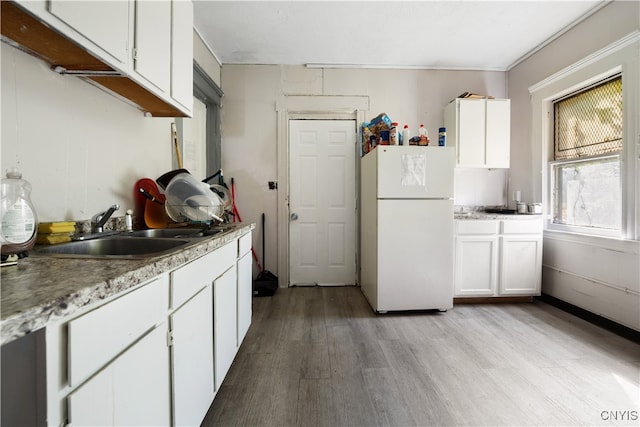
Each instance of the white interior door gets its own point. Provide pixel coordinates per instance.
(322, 202)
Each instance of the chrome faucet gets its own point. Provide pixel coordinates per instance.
(100, 219)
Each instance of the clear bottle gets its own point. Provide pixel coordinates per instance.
(424, 135)
(19, 222)
(406, 135)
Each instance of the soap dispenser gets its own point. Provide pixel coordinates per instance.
(19, 222)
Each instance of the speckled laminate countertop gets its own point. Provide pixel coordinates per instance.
(489, 216)
(40, 290)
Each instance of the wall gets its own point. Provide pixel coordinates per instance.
(592, 34)
(600, 275)
(81, 149)
(249, 125)
(205, 58)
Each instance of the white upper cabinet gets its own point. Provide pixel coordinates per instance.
(498, 133)
(182, 53)
(104, 23)
(140, 50)
(152, 54)
(480, 130)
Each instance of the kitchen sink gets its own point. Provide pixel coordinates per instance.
(167, 233)
(124, 247)
(501, 211)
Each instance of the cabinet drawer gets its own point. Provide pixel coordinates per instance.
(188, 280)
(100, 335)
(244, 244)
(533, 226)
(472, 226)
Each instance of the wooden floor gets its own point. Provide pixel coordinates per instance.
(319, 356)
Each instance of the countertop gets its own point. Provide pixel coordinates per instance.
(489, 216)
(41, 290)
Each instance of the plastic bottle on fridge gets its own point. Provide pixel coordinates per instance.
(393, 136)
(406, 135)
(442, 137)
(424, 135)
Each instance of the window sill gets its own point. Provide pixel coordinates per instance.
(606, 242)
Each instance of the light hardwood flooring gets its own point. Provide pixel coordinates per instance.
(321, 357)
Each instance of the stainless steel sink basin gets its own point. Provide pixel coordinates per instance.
(167, 233)
(115, 247)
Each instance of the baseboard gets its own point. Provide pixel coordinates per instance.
(590, 317)
(491, 300)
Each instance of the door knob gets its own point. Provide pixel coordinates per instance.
(294, 216)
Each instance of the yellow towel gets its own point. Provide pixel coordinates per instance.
(53, 238)
(57, 227)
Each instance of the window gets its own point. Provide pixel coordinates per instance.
(207, 101)
(586, 171)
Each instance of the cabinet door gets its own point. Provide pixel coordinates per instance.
(153, 42)
(224, 323)
(133, 390)
(245, 294)
(192, 350)
(98, 336)
(471, 132)
(104, 23)
(520, 265)
(476, 266)
(182, 53)
(498, 133)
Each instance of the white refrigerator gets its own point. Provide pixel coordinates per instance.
(406, 238)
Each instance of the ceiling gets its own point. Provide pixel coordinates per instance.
(453, 34)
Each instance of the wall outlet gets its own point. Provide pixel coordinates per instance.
(273, 185)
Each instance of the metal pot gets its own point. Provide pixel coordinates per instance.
(521, 207)
(535, 208)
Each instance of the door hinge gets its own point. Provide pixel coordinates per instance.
(169, 338)
(134, 53)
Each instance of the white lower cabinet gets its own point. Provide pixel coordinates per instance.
(476, 272)
(498, 258)
(521, 265)
(192, 359)
(132, 390)
(224, 323)
(156, 355)
(245, 284)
